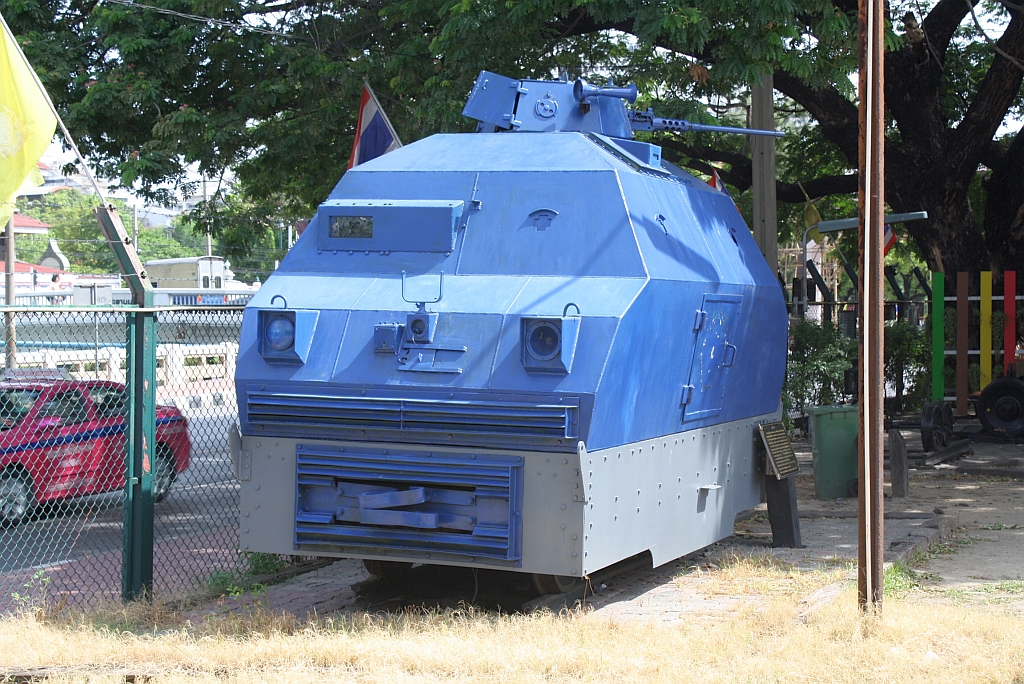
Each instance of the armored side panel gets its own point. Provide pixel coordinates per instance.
(542, 352)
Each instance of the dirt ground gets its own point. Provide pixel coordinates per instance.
(988, 545)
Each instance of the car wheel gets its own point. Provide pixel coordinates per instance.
(163, 474)
(15, 498)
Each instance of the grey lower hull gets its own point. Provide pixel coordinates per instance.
(578, 512)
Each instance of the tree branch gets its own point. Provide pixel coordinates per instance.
(1004, 210)
(988, 109)
(740, 173)
(836, 115)
(993, 154)
(713, 153)
(941, 23)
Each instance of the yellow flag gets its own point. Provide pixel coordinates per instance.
(812, 217)
(27, 123)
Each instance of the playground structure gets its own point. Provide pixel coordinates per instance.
(999, 400)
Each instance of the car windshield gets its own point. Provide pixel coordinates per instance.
(14, 405)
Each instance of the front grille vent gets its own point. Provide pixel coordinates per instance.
(295, 414)
(409, 504)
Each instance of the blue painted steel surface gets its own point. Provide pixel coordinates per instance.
(653, 312)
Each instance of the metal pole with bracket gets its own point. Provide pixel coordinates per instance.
(137, 568)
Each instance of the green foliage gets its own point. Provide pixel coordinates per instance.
(818, 359)
(70, 215)
(249, 235)
(34, 592)
(227, 583)
(152, 96)
(908, 363)
(264, 563)
(220, 581)
(898, 580)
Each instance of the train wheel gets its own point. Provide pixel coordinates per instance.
(936, 425)
(931, 428)
(947, 423)
(389, 571)
(1001, 407)
(555, 584)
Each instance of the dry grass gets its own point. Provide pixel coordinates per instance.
(763, 644)
(763, 575)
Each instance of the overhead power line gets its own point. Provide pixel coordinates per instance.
(209, 20)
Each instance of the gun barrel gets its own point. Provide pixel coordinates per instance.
(682, 125)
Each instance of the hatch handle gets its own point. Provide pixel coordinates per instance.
(729, 357)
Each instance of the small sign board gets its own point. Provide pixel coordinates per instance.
(781, 460)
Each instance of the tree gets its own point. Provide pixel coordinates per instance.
(249, 236)
(70, 215)
(151, 91)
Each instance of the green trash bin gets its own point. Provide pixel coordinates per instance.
(834, 447)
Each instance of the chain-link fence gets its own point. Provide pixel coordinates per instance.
(63, 415)
(195, 534)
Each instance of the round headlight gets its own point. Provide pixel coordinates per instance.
(280, 334)
(543, 341)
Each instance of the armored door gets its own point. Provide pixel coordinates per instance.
(713, 354)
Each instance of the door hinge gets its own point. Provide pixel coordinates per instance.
(699, 320)
(687, 395)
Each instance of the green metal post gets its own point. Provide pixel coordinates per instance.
(137, 563)
(938, 335)
(137, 566)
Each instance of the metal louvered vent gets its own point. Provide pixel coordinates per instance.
(409, 504)
(294, 414)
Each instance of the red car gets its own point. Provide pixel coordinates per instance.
(63, 438)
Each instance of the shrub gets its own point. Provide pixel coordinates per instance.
(818, 359)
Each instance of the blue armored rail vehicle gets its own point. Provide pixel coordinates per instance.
(539, 347)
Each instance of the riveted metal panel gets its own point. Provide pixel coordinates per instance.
(670, 495)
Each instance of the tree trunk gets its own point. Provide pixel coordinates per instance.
(1004, 209)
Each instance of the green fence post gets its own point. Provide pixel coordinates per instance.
(137, 563)
(938, 335)
(137, 566)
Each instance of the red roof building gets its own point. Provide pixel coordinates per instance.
(26, 225)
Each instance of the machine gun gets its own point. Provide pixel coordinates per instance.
(502, 103)
(646, 121)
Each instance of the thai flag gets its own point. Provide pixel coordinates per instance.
(890, 239)
(374, 133)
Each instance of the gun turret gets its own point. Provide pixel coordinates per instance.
(500, 103)
(646, 121)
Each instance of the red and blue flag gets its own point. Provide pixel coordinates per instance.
(374, 133)
(718, 184)
(890, 239)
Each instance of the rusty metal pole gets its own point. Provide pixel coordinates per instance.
(871, 14)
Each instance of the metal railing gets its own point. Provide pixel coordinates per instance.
(184, 296)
